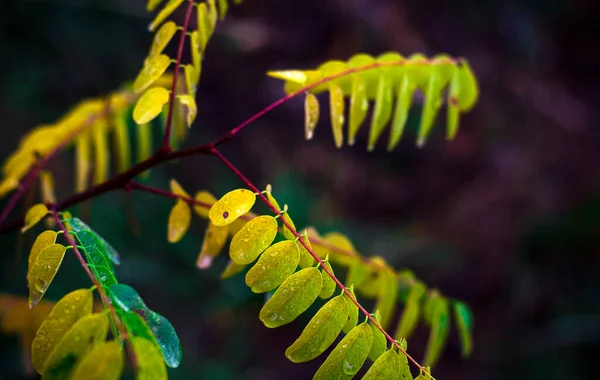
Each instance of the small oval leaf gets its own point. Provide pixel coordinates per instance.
(464, 322)
(311, 114)
(150, 105)
(359, 105)
(43, 271)
(192, 109)
(162, 38)
(329, 284)
(42, 241)
(150, 363)
(179, 221)
(348, 356)
(215, 238)
(438, 334)
(276, 264)
(336, 105)
(410, 315)
(231, 206)
(352, 310)
(104, 362)
(387, 366)
(65, 313)
(321, 331)
(293, 297)
(379, 340)
(256, 236)
(153, 69)
(207, 200)
(169, 8)
(34, 215)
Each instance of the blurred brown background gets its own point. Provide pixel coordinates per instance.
(506, 217)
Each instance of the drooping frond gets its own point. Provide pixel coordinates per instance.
(100, 132)
(154, 100)
(390, 82)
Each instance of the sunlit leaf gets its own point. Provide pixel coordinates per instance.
(104, 362)
(329, 284)
(311, 114)
(152, 4)
(404, 100)
(359, 105)
(469, 89)
(320, 333)
(43, 240)
(162, 38)
(464, 322)
(410, 315)
(379, 340)
(293, 297)
(231, 206)
(65, 313)
(129, 300)
(336, 104)
(438, 334)
(207, 199)
(352, 310)
(382, 109)
(387, 366)
(348, 356)
(80, 339)
(44, 269)
(150, 363)
(34, 215)
(192, 109)
(196, 51)
(256, 236)
(215, 238)
(153, 69)
(276, 264)
(168, 9)
(150, 105)
(179, 221)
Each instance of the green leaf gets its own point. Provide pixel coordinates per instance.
(336, 105)
(410, 315)
(180, 218)
(306, 259)
(387, 366)
(386, 299)
(34, 215)
(439, 330)
(104, 362)
(469, 90)
(357, 273)
(311, 114)
(87, 332)
(348, 356)
(321, 331)
(65, 313)
(88, 238)
(42, 241)
(150, 363)
(196, 50)
(464, 322)
(293, 297)
(150, 105)
(136, 325)
(352, 310)
(285, 216)
(382, 109)
(129, 300)
(329, 284)
(154, 68)
(101, 267)
(162, 38)
(231, 206)
(169, 8)
(405, 373)
(404, 99)
(44, 269)
(379, 340)
(276, 264)
(253, 239)
(359, 106)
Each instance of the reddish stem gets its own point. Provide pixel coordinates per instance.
(250, 185)
(166, 144)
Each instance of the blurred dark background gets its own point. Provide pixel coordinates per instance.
(506, 217)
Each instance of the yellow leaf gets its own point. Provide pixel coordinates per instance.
(76, 343)
(207, 199)
(150, 105)
(169, 8)
(104, 362)
(151, 365)
(67, 311)
(34, 215)
(179, 221)
(276, 264)
(7, 185)
(359, 105)
(223, 6)
(296, 76)
(329, 284)
(192, 109)
(177, 189)
(231, 206)
(382, 109)
(386, 299)
(196, 50)
(311, 114)
(191, 78)
(44, 269)
(336, 104)
(215, 238)
(253, 239)
(341, 242)
(285, 216)
(83, 161)
(162, 38)
(121, 140)
(101, 151)
(152, 4)
(231, 270)
(47, 187)
(43, 240)
(154, 68)
(306, 259)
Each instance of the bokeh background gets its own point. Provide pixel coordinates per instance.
(506, 217)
